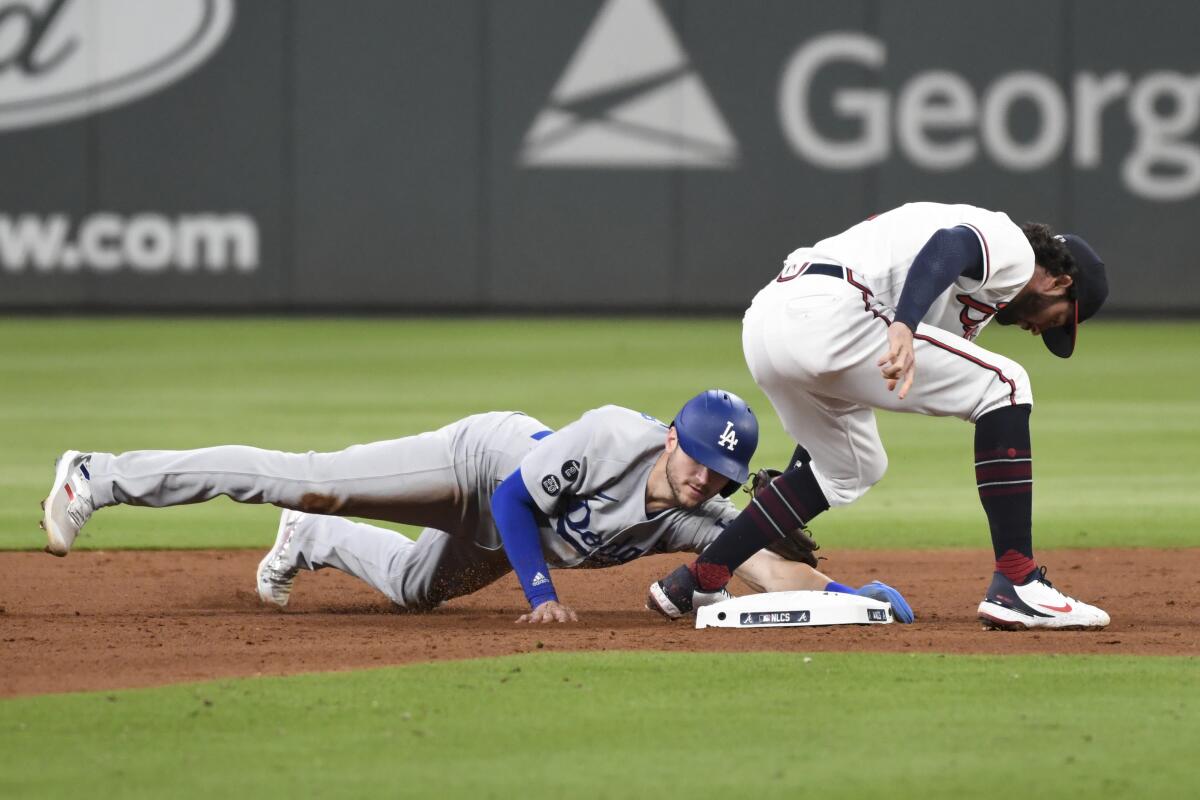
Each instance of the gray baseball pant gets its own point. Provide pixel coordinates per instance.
(441, 480)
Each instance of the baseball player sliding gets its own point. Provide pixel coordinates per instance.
(497, 492)
(884, 315)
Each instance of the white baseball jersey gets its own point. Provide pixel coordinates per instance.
(589, 479)
(881, 250)
(813, 339)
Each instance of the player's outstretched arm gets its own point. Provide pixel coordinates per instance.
(766, 572)
(514, 510)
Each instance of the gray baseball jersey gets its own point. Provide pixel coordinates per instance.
(594, 507)
(590, 481)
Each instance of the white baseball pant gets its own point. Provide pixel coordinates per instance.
(812, 344)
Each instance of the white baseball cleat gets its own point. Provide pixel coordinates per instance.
(1036, 604)
(277, 572)
(69, 504)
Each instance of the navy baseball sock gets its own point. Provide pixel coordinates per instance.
(1004, 476)
(790, 501)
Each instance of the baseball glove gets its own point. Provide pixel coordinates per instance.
(796, 544)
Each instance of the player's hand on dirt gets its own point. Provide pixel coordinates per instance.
(899, 366)
(550, 611)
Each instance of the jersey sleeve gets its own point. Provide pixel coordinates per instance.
(580, 459)
(1007, 257)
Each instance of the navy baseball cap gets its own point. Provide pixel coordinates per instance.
(1090, 292)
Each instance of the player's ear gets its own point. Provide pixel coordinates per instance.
(1062, 282)
(672, 440)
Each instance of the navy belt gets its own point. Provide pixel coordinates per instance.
(832, 270)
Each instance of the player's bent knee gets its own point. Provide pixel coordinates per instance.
(844, 491)
(1011, 387)
(873, 470)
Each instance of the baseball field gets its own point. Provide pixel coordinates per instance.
(143, 665)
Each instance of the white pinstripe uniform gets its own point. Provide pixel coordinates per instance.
(812, 340)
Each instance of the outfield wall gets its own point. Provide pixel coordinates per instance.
(568, 154)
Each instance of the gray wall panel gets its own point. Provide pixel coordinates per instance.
(1149, 246)
(739, 224)
(980, 43)
(564, 237)
(42, 175)
(577, 154)
(387, 155)
(213, 142)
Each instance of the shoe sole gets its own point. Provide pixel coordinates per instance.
(658, 602)
(992, 623)
(58, 545)
(264, 595)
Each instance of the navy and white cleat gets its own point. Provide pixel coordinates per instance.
(1036, 604)
(678, 595)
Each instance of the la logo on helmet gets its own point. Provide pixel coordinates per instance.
(729, 438)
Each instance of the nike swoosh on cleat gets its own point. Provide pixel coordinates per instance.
(1063, 608)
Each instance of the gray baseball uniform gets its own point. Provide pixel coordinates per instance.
(588, 479)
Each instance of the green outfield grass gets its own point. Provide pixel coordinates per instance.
(626, 725)
(1116, 428)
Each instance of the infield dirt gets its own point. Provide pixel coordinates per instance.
(104, 620)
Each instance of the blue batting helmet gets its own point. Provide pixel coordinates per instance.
(718, 429)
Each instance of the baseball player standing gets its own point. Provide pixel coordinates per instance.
(884, 315)
(496, 492)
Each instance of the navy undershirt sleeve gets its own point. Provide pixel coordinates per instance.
(515, 513)
(949, 253)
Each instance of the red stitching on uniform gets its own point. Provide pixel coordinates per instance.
(1012, 385)
(866, 293)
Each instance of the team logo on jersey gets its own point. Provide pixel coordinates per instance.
(551, 485)
(973, 322)
(729, 438)
(629, 99)
(570, 470)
